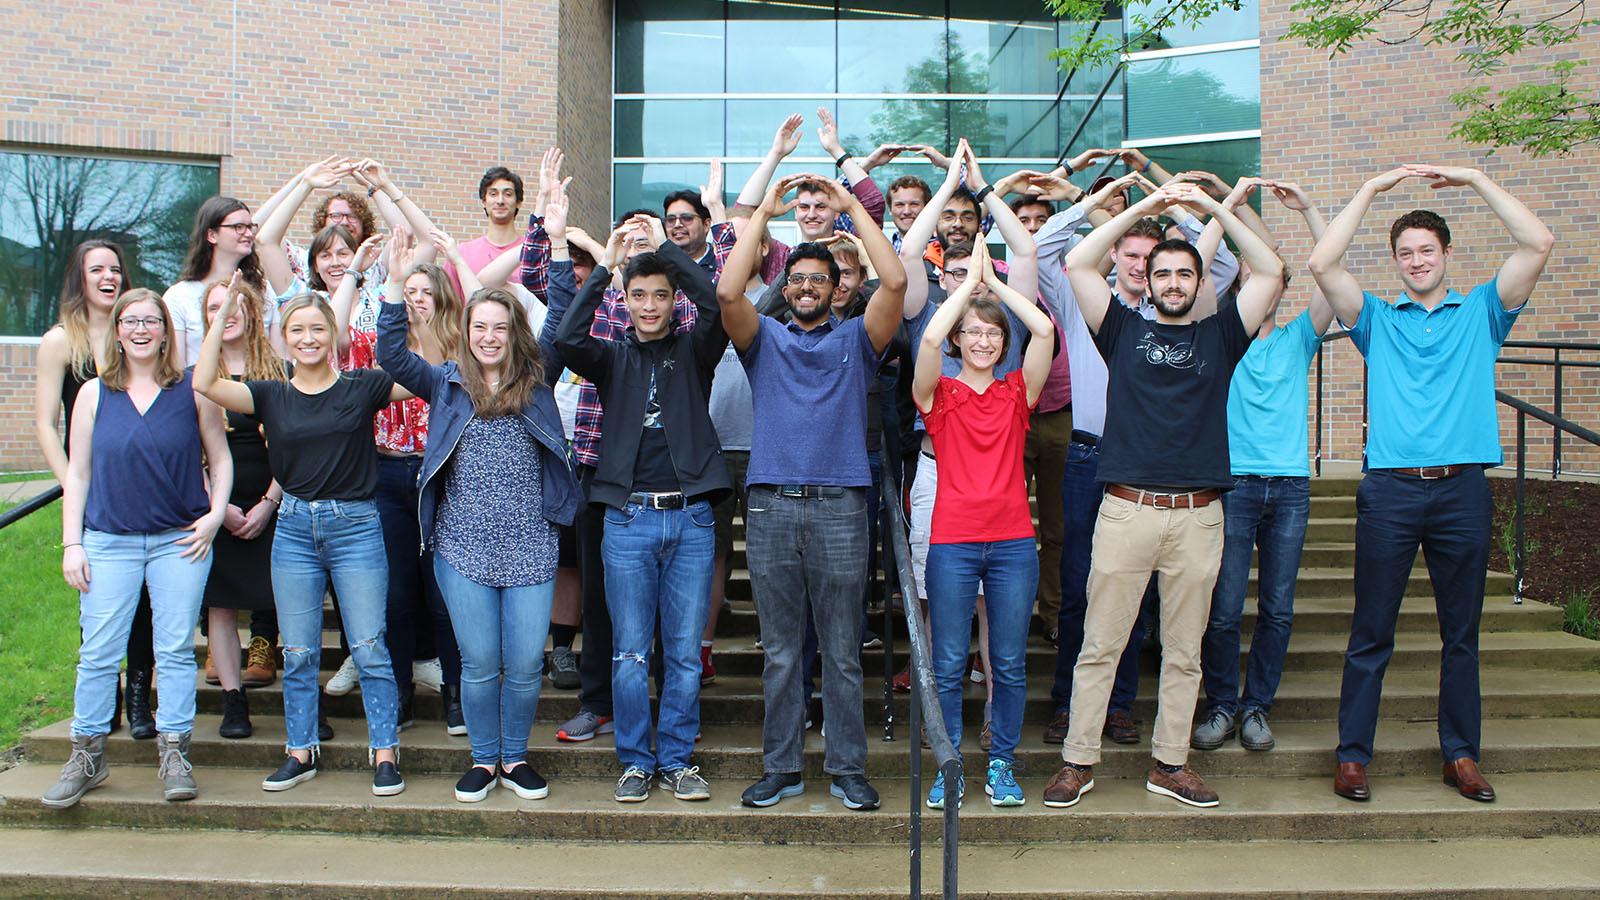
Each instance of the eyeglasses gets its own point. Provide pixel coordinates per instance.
(816, 279)
(681, 218)
(240, 229)
(984, 334)
(150, 323)
(342, 217)
(957, 274)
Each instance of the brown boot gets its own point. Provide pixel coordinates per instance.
(211, 667)
(1120, 728)
(1184, 786)
(1463, 775)
(1056, 731)
(261, 665)
(1350, 782)
(1068, 786)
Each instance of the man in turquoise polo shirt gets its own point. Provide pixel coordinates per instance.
(1432, 430)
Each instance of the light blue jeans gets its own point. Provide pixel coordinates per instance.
(501, 633)
(341, 538)
(119, 565)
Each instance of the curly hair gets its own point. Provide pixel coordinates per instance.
(358, 205)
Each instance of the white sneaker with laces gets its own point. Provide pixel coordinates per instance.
(343, 681)
(427, 673)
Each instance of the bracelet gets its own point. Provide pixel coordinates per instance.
(839, 163)
(402, 196)
(371, 191)
(1148, 162)
(983, 192)
(271, 500)
(73, 544)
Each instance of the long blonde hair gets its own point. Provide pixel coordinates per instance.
(75, 305)
(445, 324)
(524, 366)
(260, 363)
(115, 375)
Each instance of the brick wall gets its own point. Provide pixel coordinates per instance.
(437, 92)
(1331, 124)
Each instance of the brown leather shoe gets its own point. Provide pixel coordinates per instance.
(1068, 786)
(1056, 731)
(1350, 782)
(1463, 775)
(261, 665)
(1184, 786)
(986, 738)
(1120, 728)
(211, 667)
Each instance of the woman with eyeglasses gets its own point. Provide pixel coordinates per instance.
(319, 446)
(223, 241)
(70, 354)
(136, 511)
(982, 530)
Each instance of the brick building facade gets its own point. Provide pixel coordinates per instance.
(441, 93)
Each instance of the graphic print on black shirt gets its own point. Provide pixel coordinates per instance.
(652, 469)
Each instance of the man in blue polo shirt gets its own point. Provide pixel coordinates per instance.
(806, 525)
(1432, 430)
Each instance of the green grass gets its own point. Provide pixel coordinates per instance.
(13, 477)
(1580, 618)
(38, 627)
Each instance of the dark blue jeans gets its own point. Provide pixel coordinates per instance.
(414, 602)
(1268, 513)
(658, 569)
(1450, 519)
(1009, 572)
(1080, 495)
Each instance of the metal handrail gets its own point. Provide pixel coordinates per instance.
(925, 714)
(1524, 410)
(28, 507)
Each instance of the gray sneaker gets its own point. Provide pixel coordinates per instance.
(1214, 731)
(633, 786)
(584, 727)
(1254, 732)
(85, 770)
(686, 784)
(175, 771)
(563, 668)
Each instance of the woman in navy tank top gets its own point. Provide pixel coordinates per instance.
(136, 511)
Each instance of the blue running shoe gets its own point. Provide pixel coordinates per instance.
(1001, 785)
(936, 793)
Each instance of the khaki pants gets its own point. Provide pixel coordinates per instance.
(1131, 540)
(1044, 458)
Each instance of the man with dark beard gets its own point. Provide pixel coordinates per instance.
(1164, 464)
(806, 525)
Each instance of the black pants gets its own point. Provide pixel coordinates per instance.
(594, 663)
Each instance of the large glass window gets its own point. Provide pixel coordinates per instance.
(1198, 94)
(49, 203)
(672, 46)
(1222, 26)
(1231, 160)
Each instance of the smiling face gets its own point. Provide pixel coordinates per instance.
(142, 331)
(650, 306)
(980, 339)
(958, 222)
(331, 262)
(309, 336)
(813, 214)
(1422, 259)
(849, 282)
(340, 213)
(1174, 281)
(102, 278)
(809, 288)
(684, 226)
(489, 335)
(904, 205)
(500, 201)
(1132, 255)
(233, 326)
(235, 235)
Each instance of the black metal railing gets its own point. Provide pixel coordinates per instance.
(925, 717)
(29, 507)
(1524, 410)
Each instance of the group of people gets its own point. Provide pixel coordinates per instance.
(480, 449)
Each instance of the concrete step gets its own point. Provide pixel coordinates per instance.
(734, 751)
(1560, 804)
(60, 862)
(1313, 695)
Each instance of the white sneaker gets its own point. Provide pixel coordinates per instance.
(343, 681)
(427, 673)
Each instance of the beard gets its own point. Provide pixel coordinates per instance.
(809, 316)
(1175, 308)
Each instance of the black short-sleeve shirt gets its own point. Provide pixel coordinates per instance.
(320, 446)
(1167, 398)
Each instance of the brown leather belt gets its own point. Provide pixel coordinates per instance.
(1191, 500)
(1433, 473)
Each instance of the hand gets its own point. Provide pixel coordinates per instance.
(367, 253)
(1207, 180)
(1049, 186)
(828, 133)
(319, 167)
(581, 238)
(975, 180)
(773, 205)
(401, 251)
(1099, 198)
(1290, 195)
(952, 173)
(1143, 183)
(1446, 176)
(1133, 158)
(839, 200)
(550, 170)
(372, 173)
(328, 172)
(939, 160)
(711, 191)
(555, 209)
(788, 136)
(1241, 192)
(233, 519)
(982, 263)
(1009, 183)
(1086, 158)
(75, 568)
(883, 154)
(230, 298)
(1177, 193)
(255, 521)
(652, 230)
(202, 532)
(1389, 179)
(445, 244)
(616, 246)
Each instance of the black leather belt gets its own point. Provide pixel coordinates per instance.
(672, 500)
(806, 491)
(1085, 438)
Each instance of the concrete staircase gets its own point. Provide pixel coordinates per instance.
(1279, 832)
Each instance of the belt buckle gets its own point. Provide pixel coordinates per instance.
(1422, 473)
(792, 490)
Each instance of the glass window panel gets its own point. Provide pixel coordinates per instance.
(1230, 160)
(1223, 25)
(752, 123)
(782, 46)
(1006, 128)
(891, 46)
(642, 185)
(49, 204)
(669, 127)
(673, 46)
(1194, 94)
(1088, 79)
(1002, 47)
(1104, 128)
(864, 124)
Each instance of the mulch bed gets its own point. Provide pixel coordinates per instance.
(1561, 525)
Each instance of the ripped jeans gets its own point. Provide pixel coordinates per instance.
(342, 538)
(658, 569)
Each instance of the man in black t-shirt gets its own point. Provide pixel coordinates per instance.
(1164, 465)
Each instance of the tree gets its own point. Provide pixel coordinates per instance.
(1550, 110)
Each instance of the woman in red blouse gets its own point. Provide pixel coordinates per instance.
(982, 527)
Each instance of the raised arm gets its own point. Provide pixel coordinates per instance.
(1327, 258)
(580, 351)
(784, 143)
(828, 136)
(269, 239)
(1266, 268)
(930, 352)
(225, 392)
(709, 337)
(404, 365)
(711, 193)
(344, 296)
(915, 241)
(1022, 257)
(739, 317)
(1041, 350)
(1521, 271)
(471, 282)
(1293, 197)
(1083, 261)
(375, 174)
(886, 307)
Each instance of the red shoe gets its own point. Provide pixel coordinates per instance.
(902, 682)
(708, 669)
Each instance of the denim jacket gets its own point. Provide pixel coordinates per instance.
(450, 408)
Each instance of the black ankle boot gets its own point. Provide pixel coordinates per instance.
(141, 721)
(455, 720)
(324, 730)
(235, 715)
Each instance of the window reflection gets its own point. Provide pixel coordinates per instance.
(783, 46)
(1200, 94)
(887, 46)
(1225, 24)
(669, 128)
(669, 47)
